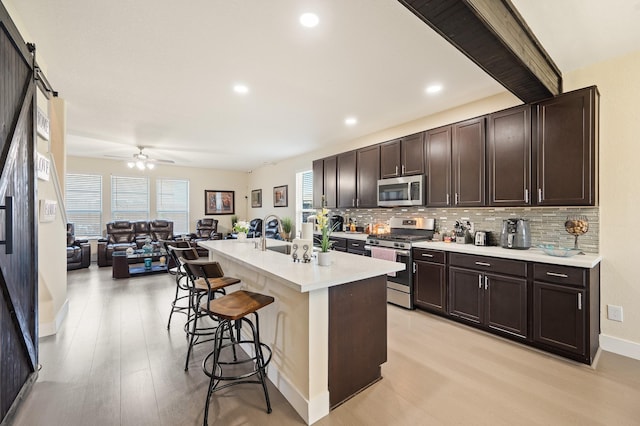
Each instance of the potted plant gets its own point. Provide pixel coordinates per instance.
(286, 227)
(322, 219)
(241, 228)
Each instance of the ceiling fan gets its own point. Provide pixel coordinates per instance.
(142, 161)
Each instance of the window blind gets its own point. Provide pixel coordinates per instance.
(129, 198)
(83, 202)
(172, 203)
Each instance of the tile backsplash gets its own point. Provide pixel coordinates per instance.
(547, 223)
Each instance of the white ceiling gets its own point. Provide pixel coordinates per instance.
(159, 74)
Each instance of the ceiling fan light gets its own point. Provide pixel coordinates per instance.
(131, 164)
(150, 166)
(140, 165)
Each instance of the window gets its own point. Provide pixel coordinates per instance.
(304, 197)
(172, 203)
(129, 198)
(83, 203)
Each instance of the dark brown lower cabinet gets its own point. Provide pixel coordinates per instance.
(560, 316)
(566, 310)
(430, 279)
(492, 300)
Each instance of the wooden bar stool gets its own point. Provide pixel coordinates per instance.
(180, 301)
(205, 280)
(235, 307)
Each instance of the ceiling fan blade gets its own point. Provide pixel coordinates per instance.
(153, 160)
(122, 157)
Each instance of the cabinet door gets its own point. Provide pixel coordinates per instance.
(438, 166)
(468, 151)
(390, 165)
(330, 181)
(318, 183)
(567, 145)
(465, 287)
(429, 286)
(509, 157)
(412, 153)
(505, 304)
(559, 316)
(347, 179)
(368, 175)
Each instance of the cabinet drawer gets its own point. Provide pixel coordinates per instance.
(355, 245)
(339, 243)
(559, 274)
(426, 255)
(489, 264)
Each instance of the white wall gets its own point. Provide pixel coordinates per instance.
(619, 84)
(199, 181)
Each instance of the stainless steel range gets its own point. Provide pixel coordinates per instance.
(396, 245)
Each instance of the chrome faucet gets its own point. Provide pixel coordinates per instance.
(263, 238)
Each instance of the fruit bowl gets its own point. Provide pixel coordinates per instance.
(559, 251)
(576, 226)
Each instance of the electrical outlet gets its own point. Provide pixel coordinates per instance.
(614, 313)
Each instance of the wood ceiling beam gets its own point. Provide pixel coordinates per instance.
(493, 35)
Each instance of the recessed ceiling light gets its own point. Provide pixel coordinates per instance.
(309, 20)
(240, 88)
(351, 121)
(434, 88)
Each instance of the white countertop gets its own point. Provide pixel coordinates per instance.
(534, 254)
(304, 277)
(361, 236)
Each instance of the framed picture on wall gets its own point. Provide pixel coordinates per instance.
(256, 198)
(280, 198)
(219, 202)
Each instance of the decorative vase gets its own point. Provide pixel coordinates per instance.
(242, 236)
(324, 258)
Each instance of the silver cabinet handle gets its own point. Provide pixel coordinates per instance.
(447, 199)
(539, 195)
(456, 199)
(480, 281)
(555, 274)
(357, 202)
(486, 282)
(427, 255)
(483, 264)
(579, 301)
(414, 267)
(526, 195)
(396, 170)
(403, 169)
(353, 202)
(355, 245)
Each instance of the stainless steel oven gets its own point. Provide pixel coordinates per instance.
(396, 246)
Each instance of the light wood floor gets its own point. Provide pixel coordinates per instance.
(114, 363)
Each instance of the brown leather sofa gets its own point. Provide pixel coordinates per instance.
(78, 251)
(124, 234)
(206, 229)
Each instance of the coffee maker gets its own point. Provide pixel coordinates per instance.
(516, 234)
(336, 222)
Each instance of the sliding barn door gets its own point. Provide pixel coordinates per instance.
(18, 253)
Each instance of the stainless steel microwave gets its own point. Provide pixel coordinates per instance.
(401, 191)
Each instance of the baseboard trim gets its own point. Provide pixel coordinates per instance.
(620, 346)
(311, 410)
(51, 328)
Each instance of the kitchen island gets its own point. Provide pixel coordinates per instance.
(327, 327)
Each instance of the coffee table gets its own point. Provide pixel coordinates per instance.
(122, 269)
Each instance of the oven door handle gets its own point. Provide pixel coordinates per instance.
(405, 253)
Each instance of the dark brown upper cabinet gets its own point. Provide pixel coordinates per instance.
(318, 182)
(368, 173)
(509, 157)
(402, 156)
(347, 163)
(330, 179)
(566, 141)
(438, 166)
(468, 155)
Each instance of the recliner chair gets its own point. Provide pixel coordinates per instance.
(206, 229)
(78, 251)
